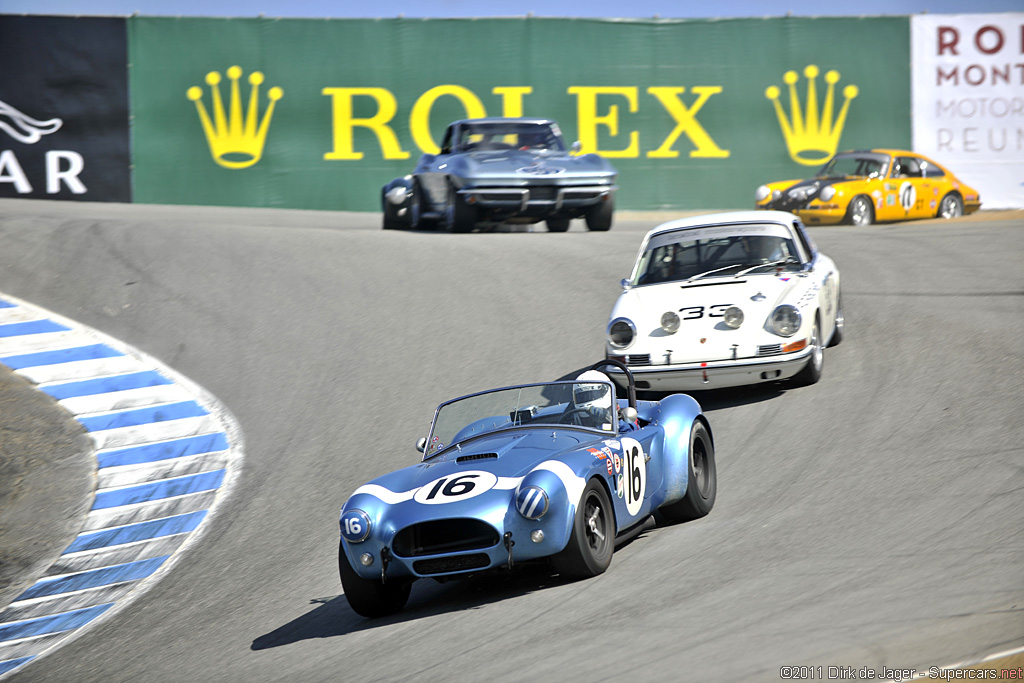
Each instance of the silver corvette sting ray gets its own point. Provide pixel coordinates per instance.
(502, 170)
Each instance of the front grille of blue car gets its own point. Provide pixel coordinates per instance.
(441, 536)
(447, 565)
(546, 193)
(769, 350)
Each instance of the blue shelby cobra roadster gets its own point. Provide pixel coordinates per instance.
(558, 471)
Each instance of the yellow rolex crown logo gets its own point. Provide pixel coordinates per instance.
(812, 138)
(234, 142)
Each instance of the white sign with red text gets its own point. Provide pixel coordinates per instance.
(968, 100)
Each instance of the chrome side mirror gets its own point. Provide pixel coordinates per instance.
(421, 445)
(625, 283)
(576, 147)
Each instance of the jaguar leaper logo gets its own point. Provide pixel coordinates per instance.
(812, 136)
(235, 141)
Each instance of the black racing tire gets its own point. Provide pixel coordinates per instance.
(557, 224)
(837, 335)
(459, 216)
(701, 482)
(860, 212)
(592, 541)
(368, 597)
(392, 221)
(599, 216)
(816, 364)
(951, 206)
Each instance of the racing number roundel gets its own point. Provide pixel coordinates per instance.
(908, 195)
(636, 474)
(455, 487)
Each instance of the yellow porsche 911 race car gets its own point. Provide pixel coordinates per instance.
(864, 186)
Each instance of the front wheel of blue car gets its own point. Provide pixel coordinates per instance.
(592, 540)
(701, 482)
(599, 217)
(369, 597)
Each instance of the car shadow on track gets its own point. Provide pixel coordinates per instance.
(333, 617)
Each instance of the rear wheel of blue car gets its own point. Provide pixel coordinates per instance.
(701, 482)
(599, 216)
(592, 540)
(371, 597)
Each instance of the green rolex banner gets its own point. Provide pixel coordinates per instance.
(320, 114)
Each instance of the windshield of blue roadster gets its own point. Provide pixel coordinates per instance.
(725, 251)
(490, 136)
(587, 405)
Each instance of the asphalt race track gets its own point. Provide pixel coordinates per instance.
(875, 519)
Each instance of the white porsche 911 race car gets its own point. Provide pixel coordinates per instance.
(725, 300)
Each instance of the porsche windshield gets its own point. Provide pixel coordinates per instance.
(572, 404)
(727, 251)
(860, 165)
(509, 135)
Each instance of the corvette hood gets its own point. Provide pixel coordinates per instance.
(700, 305)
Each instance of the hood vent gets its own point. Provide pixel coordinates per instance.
(713, 284)
(477, 456)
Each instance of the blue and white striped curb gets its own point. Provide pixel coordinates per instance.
(167, 453)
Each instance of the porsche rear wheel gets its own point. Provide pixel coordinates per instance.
(860, 212)
(951, 207)
(812, 371)
(701, 482)
(592, 540)
(368, 597)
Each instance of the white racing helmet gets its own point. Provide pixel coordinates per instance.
(586, 395)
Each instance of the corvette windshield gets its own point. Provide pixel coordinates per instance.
(860, 165)
(568, 404)
(727, 251)
(509, 135)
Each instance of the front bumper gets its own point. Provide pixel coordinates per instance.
(716, 374)
(538, 199)
(822, 214)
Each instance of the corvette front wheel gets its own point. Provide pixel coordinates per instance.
(599, 217)
(369, 597)
(592, 540)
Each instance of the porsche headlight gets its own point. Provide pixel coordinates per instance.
(670, 322)
(761, 193)
(532, 502)
(827, 193)
(785, 320)
(621, 333)
(733, 317)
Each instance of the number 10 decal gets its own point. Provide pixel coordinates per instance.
(636, 474)
(455, 487)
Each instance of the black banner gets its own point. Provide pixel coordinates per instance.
(64, 108)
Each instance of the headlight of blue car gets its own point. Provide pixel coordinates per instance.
(355, 525)
(532, 502)
(785, 320)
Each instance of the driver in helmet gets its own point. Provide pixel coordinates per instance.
(594, 402)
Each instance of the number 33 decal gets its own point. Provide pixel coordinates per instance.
(636, 474)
